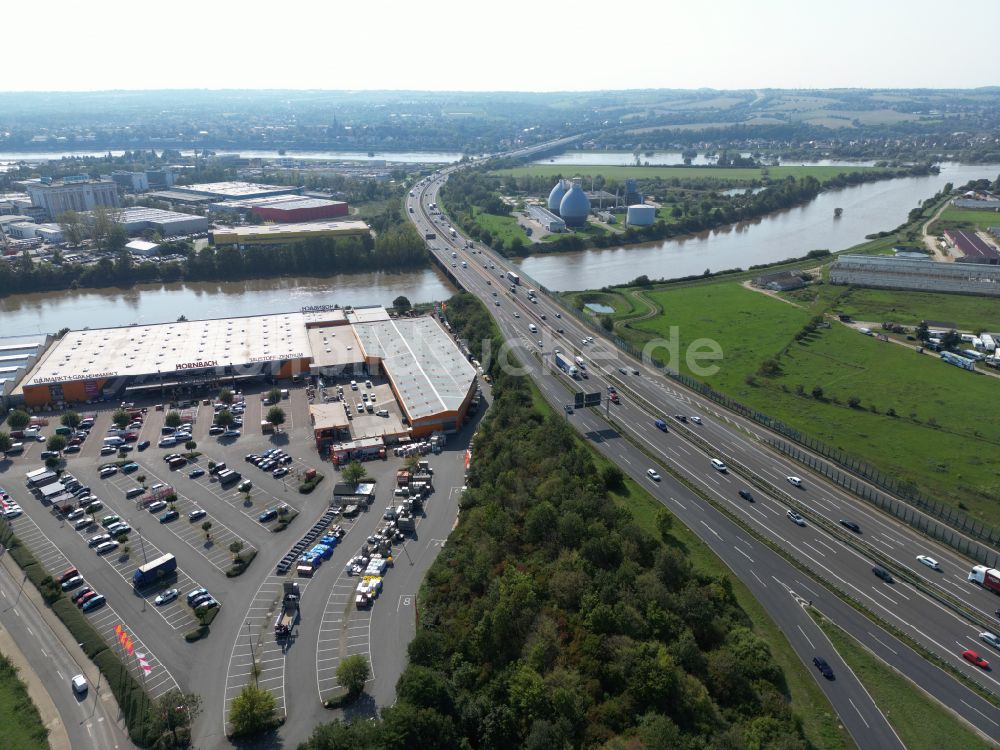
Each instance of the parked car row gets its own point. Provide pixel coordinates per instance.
(273, 460)
(85, 598)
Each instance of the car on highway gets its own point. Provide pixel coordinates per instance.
(973, 658)
(823, 667)
(882, 573)
(930, 562)
(796, 518)
(197, 513)
(79, 683)
(196, 473)
(794, 481)
(92, 604)
(719, 466)
(167, 596)
(990, 638)
(696, 419)
(849, 524)
(613, 398)
(745, 494)
(652, 475)
(568, 408)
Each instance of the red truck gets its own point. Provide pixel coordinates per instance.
(988, 578)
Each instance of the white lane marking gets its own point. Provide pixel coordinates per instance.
(712, 530)
(884, 644)
(679, 503)
(806, 544)
(754, 574)
(811, 644)
(743, 553)
(982, 714)
(867, 725)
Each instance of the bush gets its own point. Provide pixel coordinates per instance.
(310, 484)
(197, 634)
(240, 566)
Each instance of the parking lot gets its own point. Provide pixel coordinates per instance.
(329, 627)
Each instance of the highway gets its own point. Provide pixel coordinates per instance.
(832, 552)
(91, 720)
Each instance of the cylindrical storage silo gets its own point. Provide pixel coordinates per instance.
(556, 196)
(575, 206)
(640, 215)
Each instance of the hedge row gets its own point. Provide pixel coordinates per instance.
(310, 484)
(240, 566)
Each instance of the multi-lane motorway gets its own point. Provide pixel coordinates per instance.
(830, 552)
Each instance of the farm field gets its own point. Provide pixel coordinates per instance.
(733, 176)
(918, 418)
(982, 220)
(968, 313)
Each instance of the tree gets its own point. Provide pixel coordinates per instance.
(854, 402)
(190, 445)
(607, 323)
(141, 479)
(57, 443)
(70, 419)
(252, 711)
(121, 418)
(173, 419)
(401, 304)
(354, 472)
(102, 223)
(71, 224)
(951, 340)
(6, 441)
(176, 710)
(207, 527)
(664, 523)
(225, 418)
(276, 416)
(226, 396)
(18, 420)
(817, 393)
(236, 547)
(353, 673)
(274, 395)
(922, 332)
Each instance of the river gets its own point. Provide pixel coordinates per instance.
(666, 158)
(868, 208)
(404, 157)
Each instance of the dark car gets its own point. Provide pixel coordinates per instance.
(680, 418)
(882, 573)
(268, 515)
(79, 595)
(745, 494)
(823, 667)
(197, 473)
(199, 599)
(852, 525)
(142, 445)
(170, 515)
(97, 601)
(197, 513)
(192, 595)
(72, 449)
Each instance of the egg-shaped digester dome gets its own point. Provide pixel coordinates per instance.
(558, 191)
(575, 206)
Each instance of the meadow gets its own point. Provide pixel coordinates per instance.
(725, 176)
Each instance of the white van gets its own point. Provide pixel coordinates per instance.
(718, 465)
(15, 448)
(114, 441)
(532, 327)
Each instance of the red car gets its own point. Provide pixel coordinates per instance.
(613, 398)
(974, 658)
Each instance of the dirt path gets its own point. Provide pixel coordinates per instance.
(931, 242)
(748, 284)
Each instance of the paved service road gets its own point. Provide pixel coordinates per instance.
(837, 557)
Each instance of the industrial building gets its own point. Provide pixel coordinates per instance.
(972, 246)
(59, 196)
(285, 209)
(546, 218)
(277, 234)
(131, 182)
(17, 355)
(143, 248)
(885, 272)
(168, 223)
(234, 190)
(428, 384)
(640, 215)
(574, 206)
(781, 281)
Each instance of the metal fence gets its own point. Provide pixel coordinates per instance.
(955, 528)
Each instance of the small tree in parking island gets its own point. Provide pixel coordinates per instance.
(121, 418)
(224, 418)
(173, 419)
(56, 443)
(226, 396)
(190, 445)
(18, 420)
(6, 441)
(274, 395)
(354, 472)
(276, 416)
(207, 528)
(70, 419)
(236, 548)
(252, 711)
(353, 673)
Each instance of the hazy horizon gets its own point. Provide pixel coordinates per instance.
(446, 46)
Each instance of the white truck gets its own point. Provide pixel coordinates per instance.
(289, 610)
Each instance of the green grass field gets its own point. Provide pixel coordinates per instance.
(909, 308)
(504, 227)
(20, 724)
(901, 701)
(819, 722)
(733, 176)
(980, 219)
(938, 439)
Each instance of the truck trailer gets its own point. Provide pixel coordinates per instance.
(513, 278)
(564, 364)
(988, 578)
(289, 610)
(152, 571)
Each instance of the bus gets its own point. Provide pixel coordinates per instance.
(513, 277)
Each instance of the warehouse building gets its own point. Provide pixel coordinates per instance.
(885, 272)
(168, 223)
(234, 190)
(285, 209)
(971, 245)
(17, 355)
(546, 218)
(278, 234)
(59, 196)
(428, 383)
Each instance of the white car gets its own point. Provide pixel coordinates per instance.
(794, 481)
(696, 420)
(990, 638)
(79, 683)
(796, 518)
(930, 562)
(653, 475)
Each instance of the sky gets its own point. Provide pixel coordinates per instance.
(512, 45)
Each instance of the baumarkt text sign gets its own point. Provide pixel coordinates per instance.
(196, 365)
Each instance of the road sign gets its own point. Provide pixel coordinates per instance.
(578, 399)
(592, 399)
